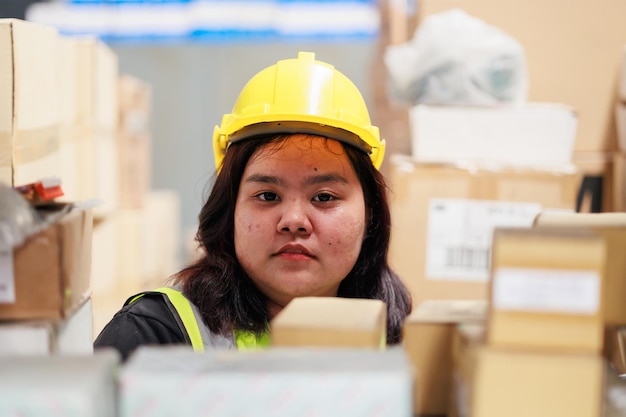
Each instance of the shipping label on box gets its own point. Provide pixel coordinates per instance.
(546, 290)
(458, 246)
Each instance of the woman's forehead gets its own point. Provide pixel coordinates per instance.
(300, 146)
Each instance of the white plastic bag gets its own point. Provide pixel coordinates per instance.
(456, 59)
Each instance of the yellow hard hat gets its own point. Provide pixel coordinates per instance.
(300, 96)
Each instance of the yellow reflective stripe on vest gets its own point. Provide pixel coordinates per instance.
(183, 308)
(246, 340)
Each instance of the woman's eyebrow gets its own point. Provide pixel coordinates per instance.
(325, 178)
(266, 179)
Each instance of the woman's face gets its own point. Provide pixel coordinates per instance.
(299, 218)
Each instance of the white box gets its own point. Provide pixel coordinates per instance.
(534, 135)
(277, 382)
(68, 386)
(70, 336)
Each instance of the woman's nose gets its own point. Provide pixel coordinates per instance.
(294, 219)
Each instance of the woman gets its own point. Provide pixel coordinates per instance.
(298, 208)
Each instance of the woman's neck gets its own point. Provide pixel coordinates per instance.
(273, 309)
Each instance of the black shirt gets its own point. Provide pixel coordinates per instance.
(147, 321)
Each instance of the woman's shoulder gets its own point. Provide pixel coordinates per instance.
(146, 320)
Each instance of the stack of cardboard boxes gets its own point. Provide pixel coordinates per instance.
(137, 243)
(66, 112)
(45, 304)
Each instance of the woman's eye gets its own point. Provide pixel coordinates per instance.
(323, 197)
(267, 196)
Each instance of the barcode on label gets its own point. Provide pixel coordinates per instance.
(467, 257)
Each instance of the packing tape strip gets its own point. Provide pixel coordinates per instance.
(28, 145)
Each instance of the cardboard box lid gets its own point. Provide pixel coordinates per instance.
(331, 313)
(331, 321)
(449, 311)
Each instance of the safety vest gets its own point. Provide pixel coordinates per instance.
(190, 317)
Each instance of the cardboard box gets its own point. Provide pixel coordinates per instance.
(517, 383)
(276, 382)
(553, 53)
(331, 322)
(49, 273)
(70, 336)
(427, 340)
(612, 228)
(83, 385)
(533, 135)
(443, 218)
(134, 137)
(29, 118)
(546, 290)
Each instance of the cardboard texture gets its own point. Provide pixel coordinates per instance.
(72, 335)
(134, 138)
(427, 340)
(331, 322)
(516, 384)
(546, 290)
(438, 209)
(276, 382)
(612, 228)
(553, 51)
(51, 270)
(69, 386)
(533, 135)
(29, 118)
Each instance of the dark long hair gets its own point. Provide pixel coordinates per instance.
(228, 299)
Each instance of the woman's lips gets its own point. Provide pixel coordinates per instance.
(294, 252)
